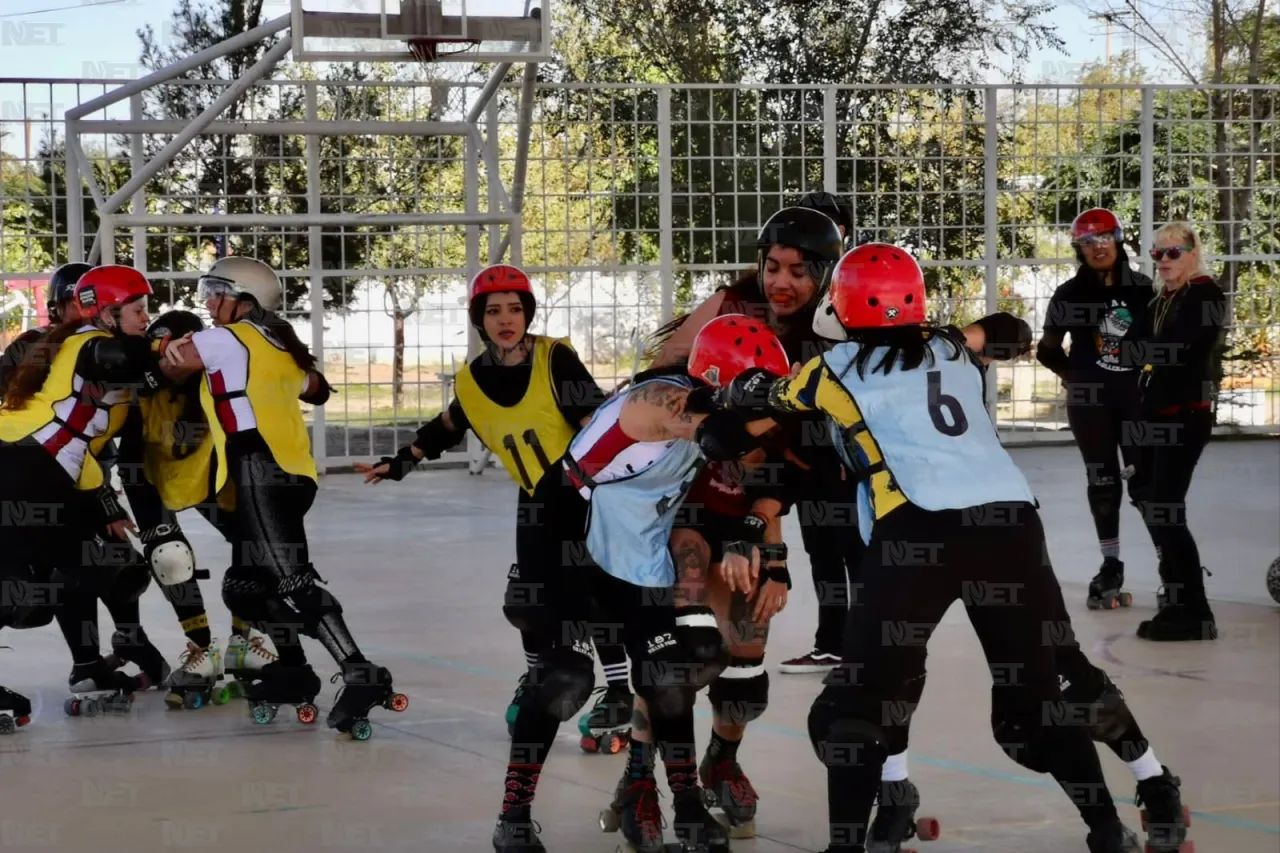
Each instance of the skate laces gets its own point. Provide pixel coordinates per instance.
(730, 773)
(643, 793)
(193, 656)
(258, 646)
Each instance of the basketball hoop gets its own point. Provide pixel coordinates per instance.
(427, 48)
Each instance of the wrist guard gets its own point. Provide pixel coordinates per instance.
(748, 392)
(753, 527)
(1007, 336)
(434, 437)
(111, 508)
(399, 465)
(722, 436)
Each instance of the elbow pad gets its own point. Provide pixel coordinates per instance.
(1007, 336)
(723, 436)
(434, 438)
(109, 357)
(321, 395)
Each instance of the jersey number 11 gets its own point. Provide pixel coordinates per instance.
(530, 438)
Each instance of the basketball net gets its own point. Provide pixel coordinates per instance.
(427, 49)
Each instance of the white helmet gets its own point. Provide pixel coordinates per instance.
(243, 276)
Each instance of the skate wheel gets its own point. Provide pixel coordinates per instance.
(361, 730)
(307, 713)
(263, 714)
(928, 828)
(399, 702)
(1126, 599)
(72, 707)
(174, 700)
(613, 745)
(90, 708)
(589, 744)
(1093, 604)
(192, 701)
(609, 821)
(222, 696)
(7, 725)
(235, 690)
(1186, 816)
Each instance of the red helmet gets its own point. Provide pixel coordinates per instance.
(499, 278)
(1096, 222)
(107, 287)
(878, 285)
(731, 344)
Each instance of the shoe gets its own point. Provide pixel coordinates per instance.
(814, 661)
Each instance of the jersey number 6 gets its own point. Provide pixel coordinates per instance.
(530, 438)
(941, 405)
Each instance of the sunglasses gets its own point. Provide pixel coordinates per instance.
(1173, 254)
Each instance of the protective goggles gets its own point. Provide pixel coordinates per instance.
(215, 286)
(1095, 240)
(1172, 253)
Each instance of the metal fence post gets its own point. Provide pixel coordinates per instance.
(137, 161)
(991, 224)
(830, 163)
(666, 239)
(1147, 178)
(315, 259)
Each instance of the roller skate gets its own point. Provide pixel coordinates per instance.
(696, 828)
(896, 821)
(636, 813)
(607, 727)
(196, 682)
(135, 647)
(1104, 589)
(244, 659)
(365, 687)
(98, 688)
(275, 685)
(727, 788)
(517, 832)
(1164, 818)
(1114, 838)
(15, 711)
(513, 709)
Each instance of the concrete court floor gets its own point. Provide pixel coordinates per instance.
(421, 565)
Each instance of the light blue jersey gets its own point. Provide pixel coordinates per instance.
(634, 489)
(932, 430)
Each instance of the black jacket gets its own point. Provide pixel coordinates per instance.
(1103, 323)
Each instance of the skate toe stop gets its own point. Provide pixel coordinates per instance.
(928, 828)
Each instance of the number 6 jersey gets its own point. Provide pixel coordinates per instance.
(919, 436)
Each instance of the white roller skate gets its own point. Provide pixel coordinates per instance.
(245, 658)
(195, 683)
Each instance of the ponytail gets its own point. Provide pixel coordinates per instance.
(32, 372)
(283, 332)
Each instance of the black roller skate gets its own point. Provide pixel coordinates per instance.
(636, 813)
(607, 726)
(727, 788)
(1164, 818)
(1105, 589)
(276, 685)
(1114, 838)
(15, 711)
(98, 688)
(517, 832)
(513, 709)
(365, 687)
(696, 828)
(896, 821)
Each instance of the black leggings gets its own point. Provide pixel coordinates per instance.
(1104, 419)
(1167, 462)
(828, 529)
(917, 565)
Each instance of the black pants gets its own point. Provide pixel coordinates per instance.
(1167, 458)
(1104, 418)
(917, 565)
(828, 529)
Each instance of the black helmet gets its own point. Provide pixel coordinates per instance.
(800, 228)
(62, 283)
(832, 205)
(174, 324)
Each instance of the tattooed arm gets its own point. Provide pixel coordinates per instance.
(657, 412)
(692, 556)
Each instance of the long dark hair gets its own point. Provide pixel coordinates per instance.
(282, 332)
(1118, 269)
(905, 346)
(33, 370)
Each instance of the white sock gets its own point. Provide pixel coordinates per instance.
(895, 768)
(531, 658)
(1146, 767)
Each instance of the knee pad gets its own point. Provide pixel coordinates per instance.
(113, 570)
(701, 644)
(169, 554)
(247, 593)
(1098, 700)
(129, 583)
(1105, 495)
(666, 679)
(24, 603)
(1021, 734)
(520, 603)
(564, 680)
(842, 737)
(303, 591)
(741, 693)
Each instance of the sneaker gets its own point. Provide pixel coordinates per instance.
(814, 661)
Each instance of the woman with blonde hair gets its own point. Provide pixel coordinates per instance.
(1182, 365)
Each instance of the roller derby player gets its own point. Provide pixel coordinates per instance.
(525, 396)
(254, 369)
(67, 399)
(26, 602)
(1102, 308)
(796, 250)
(937, 470)
(61, 309)
(166, 453)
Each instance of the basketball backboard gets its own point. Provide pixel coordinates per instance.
(411, 30)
